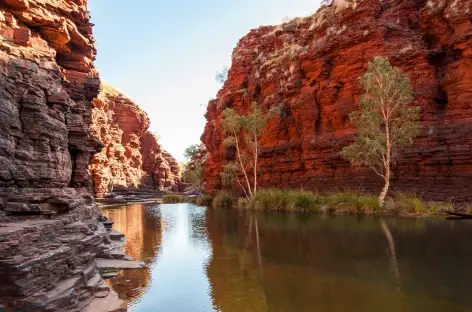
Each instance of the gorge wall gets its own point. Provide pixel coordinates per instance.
(132, 158)
(49, 233)
(309, 66)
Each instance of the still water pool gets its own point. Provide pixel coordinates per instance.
(201, 259)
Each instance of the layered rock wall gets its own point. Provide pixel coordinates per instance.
(309, 66)
(160, 167)
(49, 234)
(132, 158)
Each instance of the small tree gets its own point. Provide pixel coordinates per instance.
(222, 75)
(244, 133)
(192, 150)
(193, 174)
(192, 169)
(386, 121)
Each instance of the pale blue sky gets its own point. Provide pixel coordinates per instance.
(165, 54)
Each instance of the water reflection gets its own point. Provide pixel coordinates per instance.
(172, 240)
(315, 263)
(230, 260)
(142, 228)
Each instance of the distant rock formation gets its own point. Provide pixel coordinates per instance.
(132, 158)
(49, 232)
(310, 67)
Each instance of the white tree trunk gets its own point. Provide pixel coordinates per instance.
(387, 172)
(242, 167)
(256, 156)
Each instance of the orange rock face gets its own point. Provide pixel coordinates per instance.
(132, 158)
(310, 67)
(161, 169)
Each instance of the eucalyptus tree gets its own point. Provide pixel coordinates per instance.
(386, 121)
(243, 132)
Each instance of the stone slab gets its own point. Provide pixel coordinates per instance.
(113, 264)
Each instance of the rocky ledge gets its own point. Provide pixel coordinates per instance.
(309, 66)
(49, 232)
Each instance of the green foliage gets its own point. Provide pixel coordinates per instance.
(272, 199)
(194, 175)
(305, 201)
(338, 202)
(223, 200)
(385, 117)
(204, 200)
(173, 199)
(299, 200)
(286, 200)
(385, 122)
(192, 150)
(228, 175)
(243, 132)
(244, 203)
(222, 75)
(352, 202)
(410, 204)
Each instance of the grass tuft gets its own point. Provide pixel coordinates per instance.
(223, 200)
(337, 202)
(243, 203)
(286, 200)
(410, 204)
(204, 200)
(352, 202)
(173, 199)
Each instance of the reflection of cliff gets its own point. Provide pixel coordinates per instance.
(309, 264)
(144, 236)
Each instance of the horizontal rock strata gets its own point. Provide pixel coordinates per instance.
(49, 233)
(132, 159)
(309, 66)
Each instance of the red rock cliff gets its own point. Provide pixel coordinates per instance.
(132, 158)
(49, 234)
(310, 67)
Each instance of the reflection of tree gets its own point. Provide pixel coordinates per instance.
(393, 253)
(233, 271)
(197, 226)
(143, 232)
(311, 263)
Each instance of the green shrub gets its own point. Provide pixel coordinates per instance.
(306, 201)
(340, 202)
(352, 202)
(287, 200)
(223, 200)
(410, 204)
(173, 199)
(369, 204)
(204, 200)
(450, 206)
(271, 199)
(435, 207)
(244, 203)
